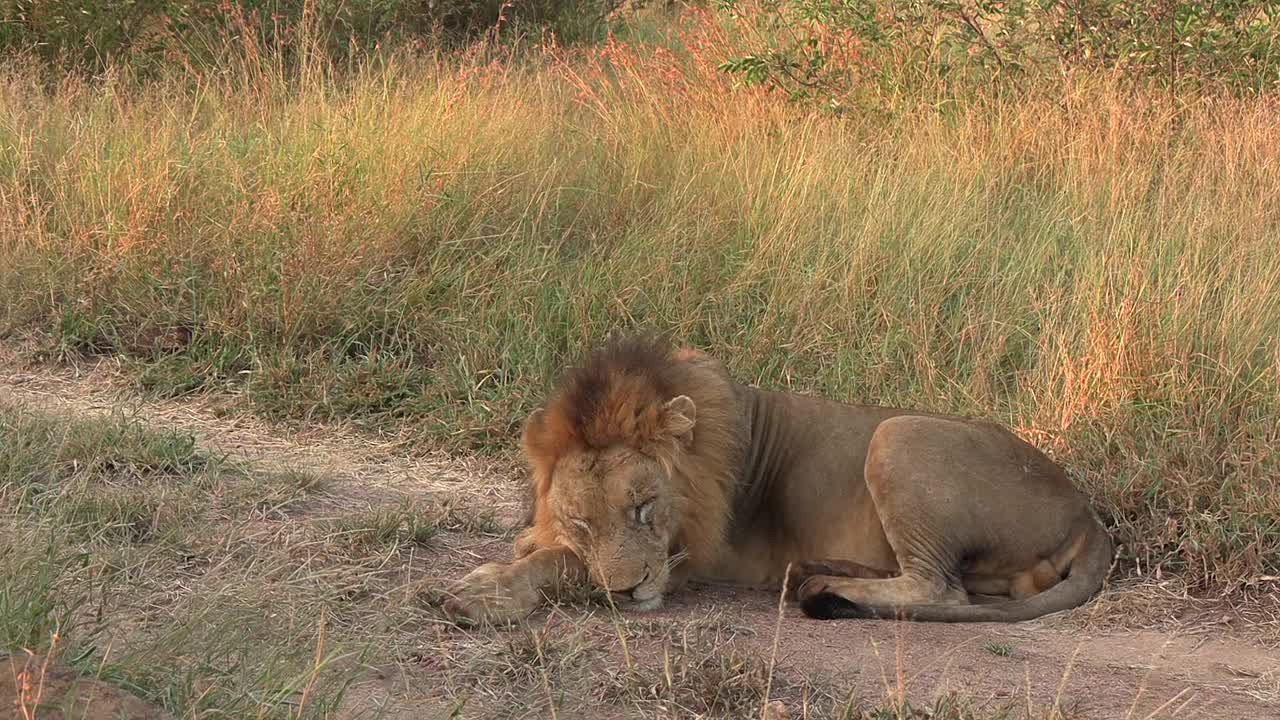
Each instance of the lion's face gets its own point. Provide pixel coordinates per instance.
(615, 510)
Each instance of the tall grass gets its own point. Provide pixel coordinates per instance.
(420, 244)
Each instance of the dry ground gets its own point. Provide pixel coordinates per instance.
(1142, 650)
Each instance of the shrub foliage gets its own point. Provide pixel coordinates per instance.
(842, 50)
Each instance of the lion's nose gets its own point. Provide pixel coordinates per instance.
(628, 592)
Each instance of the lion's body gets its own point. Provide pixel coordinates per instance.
(876, 510)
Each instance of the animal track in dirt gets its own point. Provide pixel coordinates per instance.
(1141, 650)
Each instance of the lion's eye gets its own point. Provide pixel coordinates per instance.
(644, 512)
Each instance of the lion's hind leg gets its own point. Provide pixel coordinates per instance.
(826, 596)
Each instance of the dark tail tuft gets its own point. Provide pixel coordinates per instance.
(830, 606)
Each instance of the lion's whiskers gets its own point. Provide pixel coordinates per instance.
(675, 559)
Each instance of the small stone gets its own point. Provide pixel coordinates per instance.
(775, 710)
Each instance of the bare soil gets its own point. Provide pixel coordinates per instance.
(1143, 649)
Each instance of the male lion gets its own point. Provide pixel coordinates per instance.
(652, 467)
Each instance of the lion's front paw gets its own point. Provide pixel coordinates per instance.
(492, 593)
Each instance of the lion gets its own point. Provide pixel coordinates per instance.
(652, 467)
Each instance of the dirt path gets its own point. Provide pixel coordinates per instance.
(1133, 653)
(364, 470)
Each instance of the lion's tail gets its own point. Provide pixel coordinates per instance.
(1088, 571)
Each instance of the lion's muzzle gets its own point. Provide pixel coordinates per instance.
(643, 595)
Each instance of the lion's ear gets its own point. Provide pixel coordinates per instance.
(534, 437)
(679, 416)
(532, 431)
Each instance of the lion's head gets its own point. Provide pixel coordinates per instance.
(633, 460)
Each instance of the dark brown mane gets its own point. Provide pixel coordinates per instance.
(613, 396)
(617, 395)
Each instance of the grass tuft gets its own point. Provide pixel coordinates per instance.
(385, 527)
(999, 649)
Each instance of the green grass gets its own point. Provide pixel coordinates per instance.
(109, 558)
(998, 649)
(100, 481)
(420, 246)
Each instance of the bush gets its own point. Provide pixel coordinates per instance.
(91, 35)
(860, 50)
